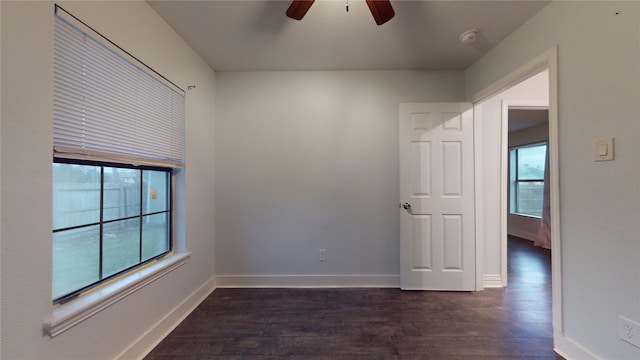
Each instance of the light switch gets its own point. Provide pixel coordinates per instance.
(603, 149)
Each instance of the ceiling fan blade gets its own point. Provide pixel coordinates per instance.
(299, 8)
(381, 10)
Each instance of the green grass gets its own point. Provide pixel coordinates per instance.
(76, 253)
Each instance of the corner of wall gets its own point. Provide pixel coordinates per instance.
(145, 343)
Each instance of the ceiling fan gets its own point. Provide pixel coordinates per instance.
(381, 10)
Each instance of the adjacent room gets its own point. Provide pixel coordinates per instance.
(259, 186)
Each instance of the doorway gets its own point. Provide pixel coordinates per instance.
(527, 174)
(491, 107)
(528, 218)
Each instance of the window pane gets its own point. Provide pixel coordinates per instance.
(81, 258)
(121, 193)
(121, 246)
(155, 235)
(76, 259)
(530, 195)
(76, 195)
(154, 187)
(531, 162)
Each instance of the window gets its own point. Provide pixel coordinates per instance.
(526, 169)
(118, 129)
(106, 220)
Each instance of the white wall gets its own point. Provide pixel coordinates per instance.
(534, 90)
(599, 91)
(26, 139)
(309, 160)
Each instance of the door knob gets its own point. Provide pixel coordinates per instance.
(406, 206)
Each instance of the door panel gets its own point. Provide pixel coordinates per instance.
(452, 168)
(421, 175)
(452, 239)
(421, 239)
(437, 240)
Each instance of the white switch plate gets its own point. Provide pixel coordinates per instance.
(322, 255)
(603, 149)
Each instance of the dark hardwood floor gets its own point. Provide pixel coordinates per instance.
(509, 323)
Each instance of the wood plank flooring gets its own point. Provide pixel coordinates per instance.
(336, 324)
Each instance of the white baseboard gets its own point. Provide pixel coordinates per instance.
(307, 281)
(522, 234)
(492, 281)
(144, 344)
(570, 350)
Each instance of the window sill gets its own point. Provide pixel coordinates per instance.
(526, 216)
(67, 315)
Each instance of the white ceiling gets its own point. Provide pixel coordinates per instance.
(520, 119)
(245, 35)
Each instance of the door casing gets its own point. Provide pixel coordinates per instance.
(545, 61)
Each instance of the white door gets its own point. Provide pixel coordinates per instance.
(437, 219)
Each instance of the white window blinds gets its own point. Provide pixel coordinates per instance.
(108, 106)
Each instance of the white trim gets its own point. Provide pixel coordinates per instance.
(535, 218)
(554, 182)
(547, 60)
(67, 315)
(504, 189)
(479, 195)
(533, 67)
(522, 234)
(570, 350)
(150, 339)
(307, 281)
(492, 281)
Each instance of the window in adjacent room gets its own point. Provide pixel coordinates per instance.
(117, 142)
(526, 173)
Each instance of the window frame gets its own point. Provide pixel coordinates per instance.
(141, 263)
(514, 180)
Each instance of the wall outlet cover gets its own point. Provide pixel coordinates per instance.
(322, 255)
(629, 331)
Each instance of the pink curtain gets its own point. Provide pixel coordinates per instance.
(543, 239)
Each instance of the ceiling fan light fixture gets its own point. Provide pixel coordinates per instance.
(469, 36)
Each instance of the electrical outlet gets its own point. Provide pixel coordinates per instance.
(322, 255)
(629, 331)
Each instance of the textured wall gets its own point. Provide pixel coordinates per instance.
(27, 95)
(309, 160)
